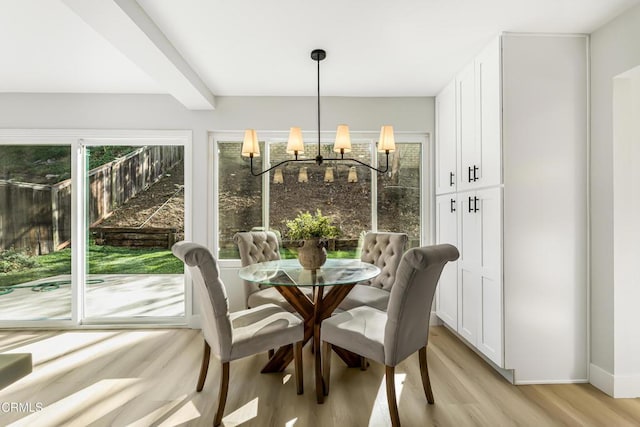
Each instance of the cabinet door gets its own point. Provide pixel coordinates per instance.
(489, 273)
(488, 117)
(466, 135)
(480, 305)
(468, 267)
(447, 232)
(446, 140)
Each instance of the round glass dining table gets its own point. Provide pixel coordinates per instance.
(289, 272)
(287, 276)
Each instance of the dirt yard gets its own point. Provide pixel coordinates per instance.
(162, 205)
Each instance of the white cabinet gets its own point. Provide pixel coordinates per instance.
(480, 270)
(447, 232)
(521, 207)
(486, 166)
(445, 146)
(466, 127)
(478, 121)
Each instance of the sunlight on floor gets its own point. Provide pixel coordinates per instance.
(380, 411)
(286, 378)
(87, 405)
(65, 360)
(291, 423)
(152, 416)
(66, 354)
(243, 414)
(182, 415)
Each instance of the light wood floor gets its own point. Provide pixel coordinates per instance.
(148, 377)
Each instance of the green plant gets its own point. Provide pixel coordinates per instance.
(12, 260)
(306, 226)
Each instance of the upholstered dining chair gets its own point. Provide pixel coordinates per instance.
(233, 336)
(383, 249)
(392, 336)
(260, 246)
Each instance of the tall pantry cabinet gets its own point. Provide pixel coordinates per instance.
(511, 193)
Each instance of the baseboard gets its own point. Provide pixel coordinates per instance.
(434, 320)
(511, 375)
(563, 381)
(507, 374)
(617, 386)
(601, 379)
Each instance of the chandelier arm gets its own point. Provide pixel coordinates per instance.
(349, 159)
(279, 164)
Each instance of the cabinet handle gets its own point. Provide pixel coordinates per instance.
(469, 169)
(451, 175)
(452, 205)
(470, 204)
(475, 173)
(475, 204)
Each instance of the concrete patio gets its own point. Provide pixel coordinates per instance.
(107, 296)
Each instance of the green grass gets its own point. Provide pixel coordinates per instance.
(116, 260)
(102, 260)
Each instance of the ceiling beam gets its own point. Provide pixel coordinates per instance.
(127, 27)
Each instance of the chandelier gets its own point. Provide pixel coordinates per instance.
(295, 144)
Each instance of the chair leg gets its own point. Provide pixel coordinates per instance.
(424, 371)
(204, 367)
(326, 367)
(363, 363)
(297, 349)
(391, 396)
(222, 395)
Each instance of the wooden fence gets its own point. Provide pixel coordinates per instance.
(37, 218)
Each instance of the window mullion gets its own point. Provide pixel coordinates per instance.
(265, 184)
(78, 236)
(374, 188)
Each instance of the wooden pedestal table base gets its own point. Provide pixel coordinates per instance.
(313, 313)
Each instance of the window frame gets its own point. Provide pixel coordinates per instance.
(76, 139)
(269, 137)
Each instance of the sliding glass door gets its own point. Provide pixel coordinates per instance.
(134, 212)
(87, 225)
(35, 232)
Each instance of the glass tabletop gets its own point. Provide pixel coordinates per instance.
(289, 272)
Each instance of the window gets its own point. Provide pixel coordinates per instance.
(357, 199)
(240, 196)
(339, 190)
(399, 198)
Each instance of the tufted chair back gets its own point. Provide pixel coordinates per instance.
(210, 294)
(385, 251)
(409, 310)
(254, 247)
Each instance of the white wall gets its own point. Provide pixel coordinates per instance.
(626, 240)
(615, 49)
(545, 125)
(161, 112)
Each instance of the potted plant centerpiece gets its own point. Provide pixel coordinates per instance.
(312, 230)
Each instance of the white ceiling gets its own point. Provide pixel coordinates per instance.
(258, 47)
